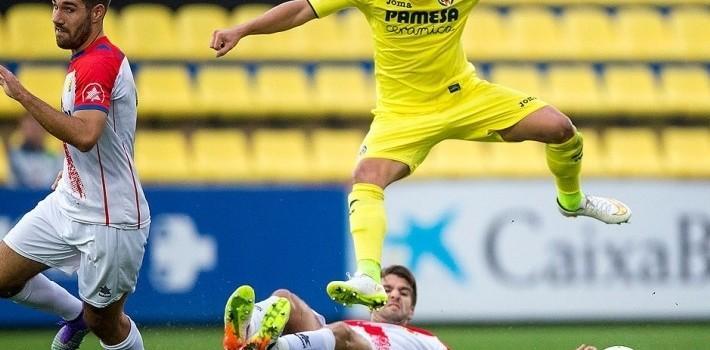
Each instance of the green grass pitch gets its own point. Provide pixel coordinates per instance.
(516, 337)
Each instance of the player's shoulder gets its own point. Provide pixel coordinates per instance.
(100, 53)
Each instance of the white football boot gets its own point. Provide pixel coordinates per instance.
(359, 289)
(606, 210)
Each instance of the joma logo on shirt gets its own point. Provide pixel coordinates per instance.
(422, 17)
(399, 3)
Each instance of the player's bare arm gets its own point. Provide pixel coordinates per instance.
(82, 131)
(283, 17)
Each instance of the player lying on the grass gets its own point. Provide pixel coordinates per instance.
(285, 322)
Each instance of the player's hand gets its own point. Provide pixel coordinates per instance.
(224, 40)
(10, 84)
(586, 347)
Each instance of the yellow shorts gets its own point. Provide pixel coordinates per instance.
(475, 112)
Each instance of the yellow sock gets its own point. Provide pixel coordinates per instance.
(368, 226)
(565, 162)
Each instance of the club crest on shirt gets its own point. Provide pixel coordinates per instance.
(93, 93)
(446, 3)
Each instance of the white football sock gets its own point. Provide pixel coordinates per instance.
(322, 339)
(133, 341)
(43, 294)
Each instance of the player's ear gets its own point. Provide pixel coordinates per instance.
(98, 13)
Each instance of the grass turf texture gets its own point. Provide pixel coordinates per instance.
(547, 337)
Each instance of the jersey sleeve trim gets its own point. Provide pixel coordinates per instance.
(91, 107)
(313, 8)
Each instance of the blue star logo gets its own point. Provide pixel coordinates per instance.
(424, 239)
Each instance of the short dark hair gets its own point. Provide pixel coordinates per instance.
(404, 273)
(91, 3)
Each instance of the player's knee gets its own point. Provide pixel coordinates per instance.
(562, 130)
(8, 289)
(366, 174)
(284, 293)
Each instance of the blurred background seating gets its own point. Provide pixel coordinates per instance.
(634, 74)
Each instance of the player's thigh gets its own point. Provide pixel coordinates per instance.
(36, 243)
(405, 139)
(487, 109)
(110, 262)
(15, 271)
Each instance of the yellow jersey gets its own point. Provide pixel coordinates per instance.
(419, 58)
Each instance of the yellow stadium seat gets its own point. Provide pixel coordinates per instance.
(112, 28)
(30, 33)
(225, 91)
(335, 153)
(534, 33)
(220, 156)
(592, 161)
(686, 90)
(691, 32)
(51, 143)
(256, 46)
(4, 164)
(357, 36)
(194, 25)
(164, 92)
(486, 35)
(281, 155)
(344, 90)
(574, 89)
(283, 91)
(148, 32)
(45, 82)
(587, 33)
(525, 78)
(161, 156)
(4, 49)
(519, 159)
(632, 152)
(631, 89)
(685, 151)
(643, 34)
(455, 159)
(9, 108)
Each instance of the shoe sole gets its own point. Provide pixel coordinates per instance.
(237, 314)
(343, 293)
(72, 344)
(575, 215)
(273, 324)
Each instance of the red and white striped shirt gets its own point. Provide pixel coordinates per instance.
(385, 336)
(101, 186)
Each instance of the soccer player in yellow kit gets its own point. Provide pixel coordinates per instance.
(428, 92)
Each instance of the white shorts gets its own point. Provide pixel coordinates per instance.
(106, 259)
